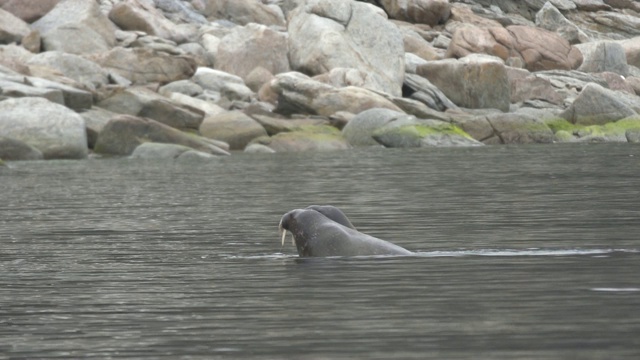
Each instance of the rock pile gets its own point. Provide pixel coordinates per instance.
(198, 78)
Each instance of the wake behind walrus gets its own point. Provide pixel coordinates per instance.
(326, 231)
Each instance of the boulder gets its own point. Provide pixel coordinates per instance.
(13, 87)
(28, 10)
(140, 15)
(123, 133)
(527, 86)
(417, 45)
(516, 128)
(256, 79)
(327, 34)
(596, 105)
(550, 18)
(343, 77)
(226, 85)
(243, 12)
(275, 124)
(140, 101)
(537, 48)
(311, 138)
(477, 126)
(632, 50)
(79, 20)
(12, 29)
(73, 97)
(609, 21)
(84, 71)
(179, 12)
(186, 87)
(298, 94)
(95, 120)
(421, 89)
(195, 155)
(142, 66)
(153, 150)
(472, 82)
(258, 149)
(248, 47)
(16, 150)
(59, 133)
(234, 127)
(359, 130)
(410, 132)
(430, 12)
(204, 106)
(600, 56)
(14, 57)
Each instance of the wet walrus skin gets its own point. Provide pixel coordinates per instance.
(316, 235)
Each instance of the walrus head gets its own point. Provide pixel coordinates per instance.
(287, 222)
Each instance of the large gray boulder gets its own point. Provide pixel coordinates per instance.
(243, 12)
(74, 67)
(142, 66)
(122, 134)
(140, 101)
(12, 29)
(153, 150)
(430, 12)
(600, 56)
(327, 34)
(359, 130)
(427, 93)
(474, 81)
(311, 138)
(13, 87)
(79, 20)
(16, 150)
(411, 132)
(550, 18)
(298, 94)
(597, 106)
(223, 84)
(59, 133)
(248, 47)
(514, 128)
(233, 127)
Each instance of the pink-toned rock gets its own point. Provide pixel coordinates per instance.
(28, 10)
(430, 12)
(142, 66)
(632, 50)
(527, 86)
(539, 49)
(142, 16)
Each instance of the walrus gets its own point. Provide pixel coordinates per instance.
(317, 235)
(334, 214)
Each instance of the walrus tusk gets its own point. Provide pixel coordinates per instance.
(282, 232)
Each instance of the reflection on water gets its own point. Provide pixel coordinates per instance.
(523, 252)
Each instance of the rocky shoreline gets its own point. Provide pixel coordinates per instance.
(198, 79)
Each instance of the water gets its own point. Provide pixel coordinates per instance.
(523, 253)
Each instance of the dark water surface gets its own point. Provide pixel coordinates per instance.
(524, 253)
